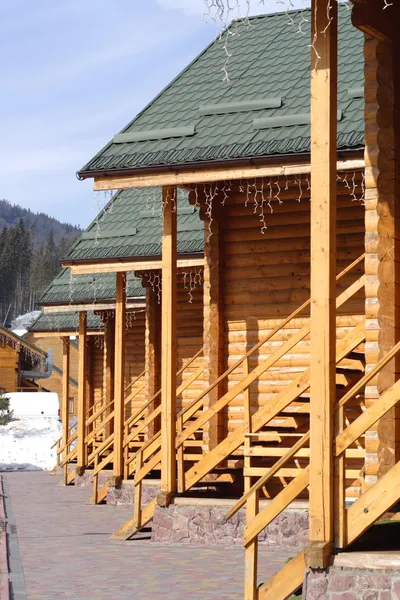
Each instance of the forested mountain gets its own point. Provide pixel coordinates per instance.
(10, 214)
(31, 247)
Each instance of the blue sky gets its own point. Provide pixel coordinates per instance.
(73, 73)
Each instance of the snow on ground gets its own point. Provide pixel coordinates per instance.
(25, 444)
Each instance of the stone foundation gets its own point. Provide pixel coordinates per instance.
(207, 525)
(382, 582)
(123, 495)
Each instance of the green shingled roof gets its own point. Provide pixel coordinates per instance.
(200, 117)
(130, 225)
(64, 322)
(83, 289)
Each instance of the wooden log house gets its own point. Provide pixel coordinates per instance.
(17, 355)
(300, 305)
(94, 299)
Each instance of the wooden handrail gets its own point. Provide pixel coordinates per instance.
(98, 414)
(368, 376)
(270, 473)
(134, 418)
(128, 387)
(264, 340)
(260, 369)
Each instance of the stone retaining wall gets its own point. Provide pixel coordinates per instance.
(351, 584)
(123, 495)
(207, 525)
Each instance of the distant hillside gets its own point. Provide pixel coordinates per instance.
(31, 247)
(43, 225)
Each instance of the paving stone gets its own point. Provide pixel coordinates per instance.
(67, 554)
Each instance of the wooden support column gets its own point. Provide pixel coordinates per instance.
(168, 347)
(214, 359)
(323, 271)
(108, 366)
(82, 388)
(119, 376)
(65, 393)
(153, 353)
(382, 235)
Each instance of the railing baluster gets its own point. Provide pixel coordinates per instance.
(180, 458)
(251, 551)
(340, 487)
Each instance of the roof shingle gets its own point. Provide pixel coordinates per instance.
(269, 60)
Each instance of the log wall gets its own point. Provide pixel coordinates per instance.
(382, 247)
(267, 276)
(9, 360)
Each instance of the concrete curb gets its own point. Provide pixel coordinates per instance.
(4, 568)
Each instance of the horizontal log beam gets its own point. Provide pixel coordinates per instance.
(370, 18)
(68, 308)
(135, 265)
(182, 178)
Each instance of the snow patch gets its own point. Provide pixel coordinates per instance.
(25, 444)
(21, 324)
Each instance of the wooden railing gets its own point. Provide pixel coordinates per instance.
(283, 399)
(350, 522)
(135, 430)
(148, 457)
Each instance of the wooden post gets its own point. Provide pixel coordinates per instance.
(82, 390)
(65, 394)
(323, 271)
(89, 401)
(119, 376)
(168, 347)
(251, 551)
(109, 347)
(153, 353)
(214, 351)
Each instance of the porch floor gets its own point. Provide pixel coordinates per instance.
(65, 552)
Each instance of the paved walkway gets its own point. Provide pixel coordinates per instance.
(66, 552)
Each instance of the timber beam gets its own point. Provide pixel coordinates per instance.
(136, 266)
(370, 17)
(182, 178)
(168, 347)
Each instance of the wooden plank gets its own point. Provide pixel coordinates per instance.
(368, 418)
(119, 374)
(374, 502)
(138, 265)
(65, 394)
(286, 581)
(323, 266)
(81, 412)
(168, 344)
(182, 178)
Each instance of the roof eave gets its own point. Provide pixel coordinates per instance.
(214, 164)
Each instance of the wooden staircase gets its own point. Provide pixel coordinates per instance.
(284, 419)
(350, 523)
(269, 433)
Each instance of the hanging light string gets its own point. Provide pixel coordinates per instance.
(263, 194)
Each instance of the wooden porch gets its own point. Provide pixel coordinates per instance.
(293, 390)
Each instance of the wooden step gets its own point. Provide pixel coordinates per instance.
(285, 582)
(129, 529)
(71, 476)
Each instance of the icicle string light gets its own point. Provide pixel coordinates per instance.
(262, 194)
(191, 280)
